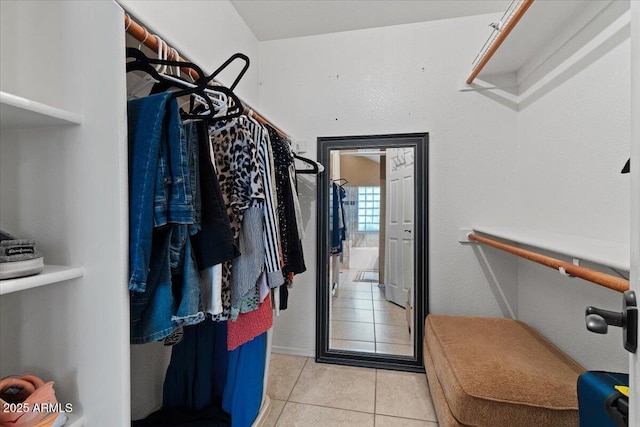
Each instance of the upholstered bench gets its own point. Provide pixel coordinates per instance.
(489, 372)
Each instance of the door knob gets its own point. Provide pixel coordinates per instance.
(599, 320)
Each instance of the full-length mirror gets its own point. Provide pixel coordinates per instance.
(372, 243)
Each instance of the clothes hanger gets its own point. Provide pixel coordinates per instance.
(219, 99)
(145, 64)
(165, 70)
(233, 106)
(226, 63)
(146, 79)
(316, 167)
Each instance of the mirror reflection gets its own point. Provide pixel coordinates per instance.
(371, 250)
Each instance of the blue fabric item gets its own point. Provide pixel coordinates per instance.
(338, 234)
(243, 393)
(185, 279)
(145, 127)
(148, 309)
(193, 147)
(174, 197)
(163, 211)
(197, 373)
(172, 295)
(159, 180)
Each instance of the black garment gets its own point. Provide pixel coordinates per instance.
(338, 233)
(214, 243)
(211, 416)
(197, 374)
(291, 244)
(284, 294)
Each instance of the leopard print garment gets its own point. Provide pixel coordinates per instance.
(235, 156)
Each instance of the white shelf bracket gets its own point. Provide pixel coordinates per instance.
(463, 235)
(562, 271)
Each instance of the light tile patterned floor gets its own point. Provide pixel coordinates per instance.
(304, 393)
(363, 320)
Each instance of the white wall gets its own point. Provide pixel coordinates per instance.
(397, 80)
(206, 32)
(573, 142)
(66, 187)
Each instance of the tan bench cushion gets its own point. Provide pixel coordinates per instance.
(501, 373)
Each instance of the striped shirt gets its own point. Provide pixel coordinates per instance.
(270, 234)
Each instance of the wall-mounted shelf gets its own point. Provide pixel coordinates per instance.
(531, 33)
(606, 253)
(51, 274)
(21, 113)
(502, 29)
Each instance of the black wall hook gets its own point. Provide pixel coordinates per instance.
(599, 320)
(627, 167)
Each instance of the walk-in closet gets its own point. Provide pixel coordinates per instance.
(278, 213)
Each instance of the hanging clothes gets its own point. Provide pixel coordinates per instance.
(195, 380)
(248, 268)
(162, 215)
(338, 222)
(214, 243)
(292, 252)
(271, 237)
(249, 325)
(287, 217)
(230, 158)
(215, 228)
(243, 393)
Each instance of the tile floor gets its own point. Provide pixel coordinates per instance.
(306, 394)
(362, 319)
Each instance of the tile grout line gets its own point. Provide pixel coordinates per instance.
(360, 412)
(375, 339)
(306, 359)
(375, 398)
(339, 409)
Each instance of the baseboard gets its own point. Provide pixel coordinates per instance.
(261, 419)
(291, 351)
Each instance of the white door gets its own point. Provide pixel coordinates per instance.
(399, 223)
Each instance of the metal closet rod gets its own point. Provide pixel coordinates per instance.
(602, 279)
(504, 33)
(141, 34)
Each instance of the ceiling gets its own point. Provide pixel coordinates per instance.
(280, 19)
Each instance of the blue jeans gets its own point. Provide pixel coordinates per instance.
(172, 296)
(163, 200)
(159, 180)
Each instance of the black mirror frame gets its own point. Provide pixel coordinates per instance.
(418, 141)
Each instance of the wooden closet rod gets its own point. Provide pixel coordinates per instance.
(504, 33)
(141, 34)
(594, 276)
